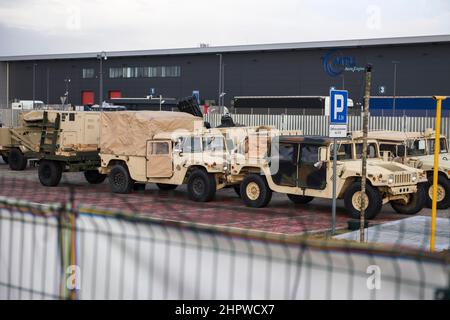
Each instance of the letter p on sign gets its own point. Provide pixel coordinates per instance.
(338, 106)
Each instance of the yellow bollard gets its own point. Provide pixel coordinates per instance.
(437, 147)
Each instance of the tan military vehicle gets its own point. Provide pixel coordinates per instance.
(20, 144)
(301, 167)
(68, 141)
(166, 148)
(416, 149)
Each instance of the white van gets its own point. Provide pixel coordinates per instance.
(27, 105)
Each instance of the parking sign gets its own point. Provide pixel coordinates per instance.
(338, 113)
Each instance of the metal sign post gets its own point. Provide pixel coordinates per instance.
(338, 129)
(437, 147)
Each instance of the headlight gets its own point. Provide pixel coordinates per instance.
(391, 179)
(414, 177)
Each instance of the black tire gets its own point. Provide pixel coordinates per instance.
(94, 177)
(443, 183)
(17, 160)
(373, 195)
(5, 159)
(166, 187)
(50, 172)
(120, 180)
(255, 191)
(416, 203)
(237, 189)
(201, 186)
(299, 199)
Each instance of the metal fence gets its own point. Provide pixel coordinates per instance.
(68, 250)
(318, 125)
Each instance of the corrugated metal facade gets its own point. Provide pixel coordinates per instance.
(422, 70)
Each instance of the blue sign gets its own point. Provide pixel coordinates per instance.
(338, 106)
(335, 63)
(196, 94)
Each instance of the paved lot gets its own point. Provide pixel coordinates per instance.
(412, 232)
(280, 217)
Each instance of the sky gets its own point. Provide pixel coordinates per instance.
(67, 26)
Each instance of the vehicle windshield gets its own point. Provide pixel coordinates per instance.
(213, 144)
(191, 145)
(443, 146)
(372, 150)
(416, 147)
(344, 152)
(230, 145)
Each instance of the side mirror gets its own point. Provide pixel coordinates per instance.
(322, 154)
(178, 150)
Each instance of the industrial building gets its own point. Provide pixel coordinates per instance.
(410, 66)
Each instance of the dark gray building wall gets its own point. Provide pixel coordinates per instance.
(422, 69)
(3, 85)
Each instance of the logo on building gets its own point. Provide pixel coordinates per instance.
(335, 63)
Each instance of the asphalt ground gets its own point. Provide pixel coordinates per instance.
(226, 210)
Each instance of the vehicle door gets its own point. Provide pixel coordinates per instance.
(159, 159)
(283, 164)
(312, 173)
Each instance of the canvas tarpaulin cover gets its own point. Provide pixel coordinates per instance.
(127, 132)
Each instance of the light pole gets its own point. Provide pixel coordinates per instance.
(67, 81)
(161, 102)
(220, 78)
(395, 85)
(101, 56)
(34, 83)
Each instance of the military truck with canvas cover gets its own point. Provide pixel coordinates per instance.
(166, 148)
(68, 141)
(301, 167)
(20, 144)
(416, 149)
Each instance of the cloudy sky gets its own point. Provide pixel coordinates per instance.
(61, 26)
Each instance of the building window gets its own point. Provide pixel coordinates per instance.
(88, 73)
(145, 72)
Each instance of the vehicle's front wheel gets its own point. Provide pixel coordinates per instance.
(94, 177)
(50, 173)
(297, 199)
(415, 204)
(166, 186)
(120, 179)
(443, 193)
(201, 186)
(255, 191)
(17, 160)
(352, 200)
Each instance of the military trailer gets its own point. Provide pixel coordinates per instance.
(301, 167)
(68, 143)
(416, 149)
(20, 144)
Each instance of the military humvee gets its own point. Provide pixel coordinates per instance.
(301, 167)
(165, 148)
(416, 149)
(198, 160)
